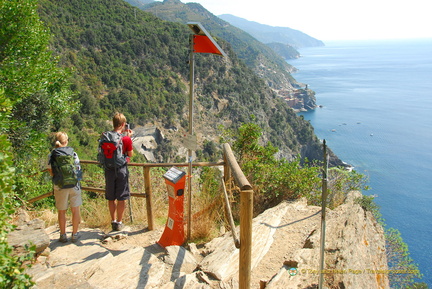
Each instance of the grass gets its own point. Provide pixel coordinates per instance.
(207, 215)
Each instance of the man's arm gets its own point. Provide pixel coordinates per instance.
(127, 141)
(129, 153)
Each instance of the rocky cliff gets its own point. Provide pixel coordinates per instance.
(285, 254)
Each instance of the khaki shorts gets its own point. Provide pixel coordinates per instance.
(63, 196)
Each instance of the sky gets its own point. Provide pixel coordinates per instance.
(335, 19)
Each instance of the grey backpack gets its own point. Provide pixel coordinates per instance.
(110, 152)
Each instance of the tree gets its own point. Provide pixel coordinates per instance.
(33, 96)
(35, 87)
(32, 82)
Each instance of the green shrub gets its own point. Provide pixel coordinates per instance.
(399, 260)
(368, 204)
(273, 179)
(11, 267)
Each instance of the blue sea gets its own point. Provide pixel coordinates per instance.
(376, 115)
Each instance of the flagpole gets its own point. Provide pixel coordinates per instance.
(200, 42)
(191, 97)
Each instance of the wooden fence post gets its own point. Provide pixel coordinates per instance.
(246, 214)
(227, 170)
(149, 198)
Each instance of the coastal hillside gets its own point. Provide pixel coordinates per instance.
(123, 58)
(271, 34)
(262, 59)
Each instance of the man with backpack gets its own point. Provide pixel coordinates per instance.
(115, 150)
(64, 166)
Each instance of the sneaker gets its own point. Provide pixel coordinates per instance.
(120, 226)
(76, 237)
(114, 226)
(63, 238)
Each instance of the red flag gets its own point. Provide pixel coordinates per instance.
(203, 44)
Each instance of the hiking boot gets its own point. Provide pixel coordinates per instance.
(76, 237)
(63, 238)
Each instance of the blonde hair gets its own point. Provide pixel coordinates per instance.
(118, 120)
(61, 139)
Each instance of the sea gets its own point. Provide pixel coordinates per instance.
(375, 112)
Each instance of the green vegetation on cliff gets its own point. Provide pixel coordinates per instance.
(125, 59)
(267, 63)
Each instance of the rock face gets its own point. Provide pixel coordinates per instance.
(354, 251)
(285, 254)
(146, 141)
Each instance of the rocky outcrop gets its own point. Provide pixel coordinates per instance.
(314, 151)
(354, 255)
(306, 99)
(28, 233)
(285, 254)
(146, 140)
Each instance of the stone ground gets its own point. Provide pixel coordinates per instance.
(283, 237)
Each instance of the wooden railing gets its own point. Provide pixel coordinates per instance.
(148, 193)
(232, 171)
(231, 167)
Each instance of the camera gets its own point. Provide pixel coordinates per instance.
(127, 127)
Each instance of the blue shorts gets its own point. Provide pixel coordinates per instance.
(117, 184)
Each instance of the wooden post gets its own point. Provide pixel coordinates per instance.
(149, 197)
(130, 210)
(246, 214)
(227, 170)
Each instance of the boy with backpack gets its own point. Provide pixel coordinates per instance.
(64, 166)
(115, 150)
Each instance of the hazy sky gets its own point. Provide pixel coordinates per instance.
(335, 19)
